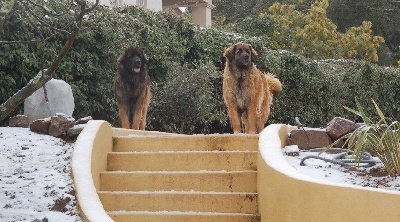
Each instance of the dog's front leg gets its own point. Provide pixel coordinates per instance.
(233, 111)
(251, 125)
(137, 112)
(142, 124)
(235, 118)
(136, 117)
(124, 116)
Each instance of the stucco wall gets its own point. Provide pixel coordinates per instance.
(89, 159)
(287, 195)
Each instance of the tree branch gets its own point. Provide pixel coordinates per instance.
(45, 75)
(43, 22)
(49, 11)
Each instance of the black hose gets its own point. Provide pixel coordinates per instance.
(338, 159)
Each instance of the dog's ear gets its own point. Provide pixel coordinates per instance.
(144, 56)
(230, 53)
(254, 54)
(121, 58)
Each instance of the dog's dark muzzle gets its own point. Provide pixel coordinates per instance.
(137, 64)
(246, 58)
(243, 62)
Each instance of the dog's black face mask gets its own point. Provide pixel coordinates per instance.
(134, 60)
(136, 64)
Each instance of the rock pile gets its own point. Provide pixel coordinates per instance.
(309, 138)
(57, 126)
(50, 112)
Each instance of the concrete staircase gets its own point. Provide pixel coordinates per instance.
(181, 178)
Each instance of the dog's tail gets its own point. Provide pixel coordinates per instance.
(275, 85)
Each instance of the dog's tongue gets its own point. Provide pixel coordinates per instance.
(136, 69)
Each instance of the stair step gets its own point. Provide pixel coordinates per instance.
(176, 216)
(188, 142)
(233, 181)
(182, 160)
(223, 202)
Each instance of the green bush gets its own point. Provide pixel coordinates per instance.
(313, 90)
(90, 65)
(316, 91)
(187, 98)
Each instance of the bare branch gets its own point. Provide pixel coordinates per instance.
(42, 22)
(28, 41)
(45, 75)
(49, 11)
(34, 41)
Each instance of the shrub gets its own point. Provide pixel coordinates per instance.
(313, 90)
(187, 98)
(316, 91)
(381, 137)
(90, 66)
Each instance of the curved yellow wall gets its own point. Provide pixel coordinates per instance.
(287, 195)
(89, 159)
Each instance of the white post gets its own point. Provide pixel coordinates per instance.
(155, 5)
(202, 15)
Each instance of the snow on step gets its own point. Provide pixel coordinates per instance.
(223, 202)
(188, 142)
(182, 178)
(234, 181)
(178, 216)
(182, 160)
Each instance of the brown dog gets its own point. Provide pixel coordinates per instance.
(132, 88)
(247, 91)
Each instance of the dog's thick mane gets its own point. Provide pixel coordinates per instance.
(238, 73)
(126, 74)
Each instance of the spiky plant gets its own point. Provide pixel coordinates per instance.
(382, 138)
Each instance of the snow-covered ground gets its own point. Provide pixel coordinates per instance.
(36, 184)
(368, 176)
(35, 177)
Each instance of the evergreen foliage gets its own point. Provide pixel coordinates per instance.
(190, 95)
(186, 60)
(316, 91)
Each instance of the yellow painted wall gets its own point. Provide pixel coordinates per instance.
(287, 195)
(89, 159)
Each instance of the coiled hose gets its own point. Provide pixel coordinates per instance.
(340, 158)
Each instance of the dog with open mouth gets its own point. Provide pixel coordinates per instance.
(132, 88)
